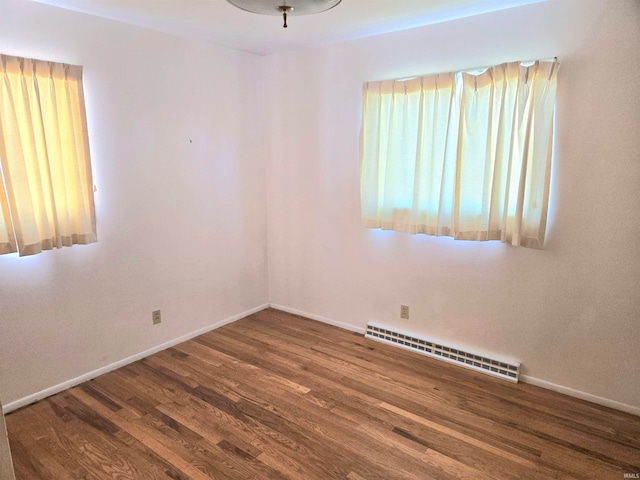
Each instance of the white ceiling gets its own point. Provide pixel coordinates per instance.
(219, 22)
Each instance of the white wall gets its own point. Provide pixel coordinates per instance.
(6, 464)
(570, 313)
(182, 226)
(178, 160)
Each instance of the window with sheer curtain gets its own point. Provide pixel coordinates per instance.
(46, 187)
(461, 154)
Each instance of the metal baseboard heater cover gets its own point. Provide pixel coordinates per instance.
(507, 370)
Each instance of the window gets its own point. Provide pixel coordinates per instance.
(464, 154)
(46, 195)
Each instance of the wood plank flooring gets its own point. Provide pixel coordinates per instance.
(276, 396)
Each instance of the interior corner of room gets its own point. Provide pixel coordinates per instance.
(229, 182)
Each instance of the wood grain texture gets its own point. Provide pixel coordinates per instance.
(277, 396)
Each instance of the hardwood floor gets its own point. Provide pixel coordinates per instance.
(275, 396)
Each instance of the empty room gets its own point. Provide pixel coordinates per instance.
(319, 239)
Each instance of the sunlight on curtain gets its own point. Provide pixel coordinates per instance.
(465, 154)
(45, 168)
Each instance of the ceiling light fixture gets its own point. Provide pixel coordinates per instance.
(284, 8)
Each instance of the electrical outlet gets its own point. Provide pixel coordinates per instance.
(155, 316)
(404, 312)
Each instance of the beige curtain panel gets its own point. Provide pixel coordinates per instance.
(463, 154)
(47, 189)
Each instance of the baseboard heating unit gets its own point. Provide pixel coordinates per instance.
(507, 370)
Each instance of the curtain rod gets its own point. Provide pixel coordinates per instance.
(552, 59)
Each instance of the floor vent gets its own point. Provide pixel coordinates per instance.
(507, 370)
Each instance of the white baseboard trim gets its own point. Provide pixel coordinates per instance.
(623, 407)
(22, 402)
(335, 323)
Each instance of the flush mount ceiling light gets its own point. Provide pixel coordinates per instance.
(285, 8)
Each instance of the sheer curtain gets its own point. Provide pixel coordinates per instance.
(46, 193)
(463, 154)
